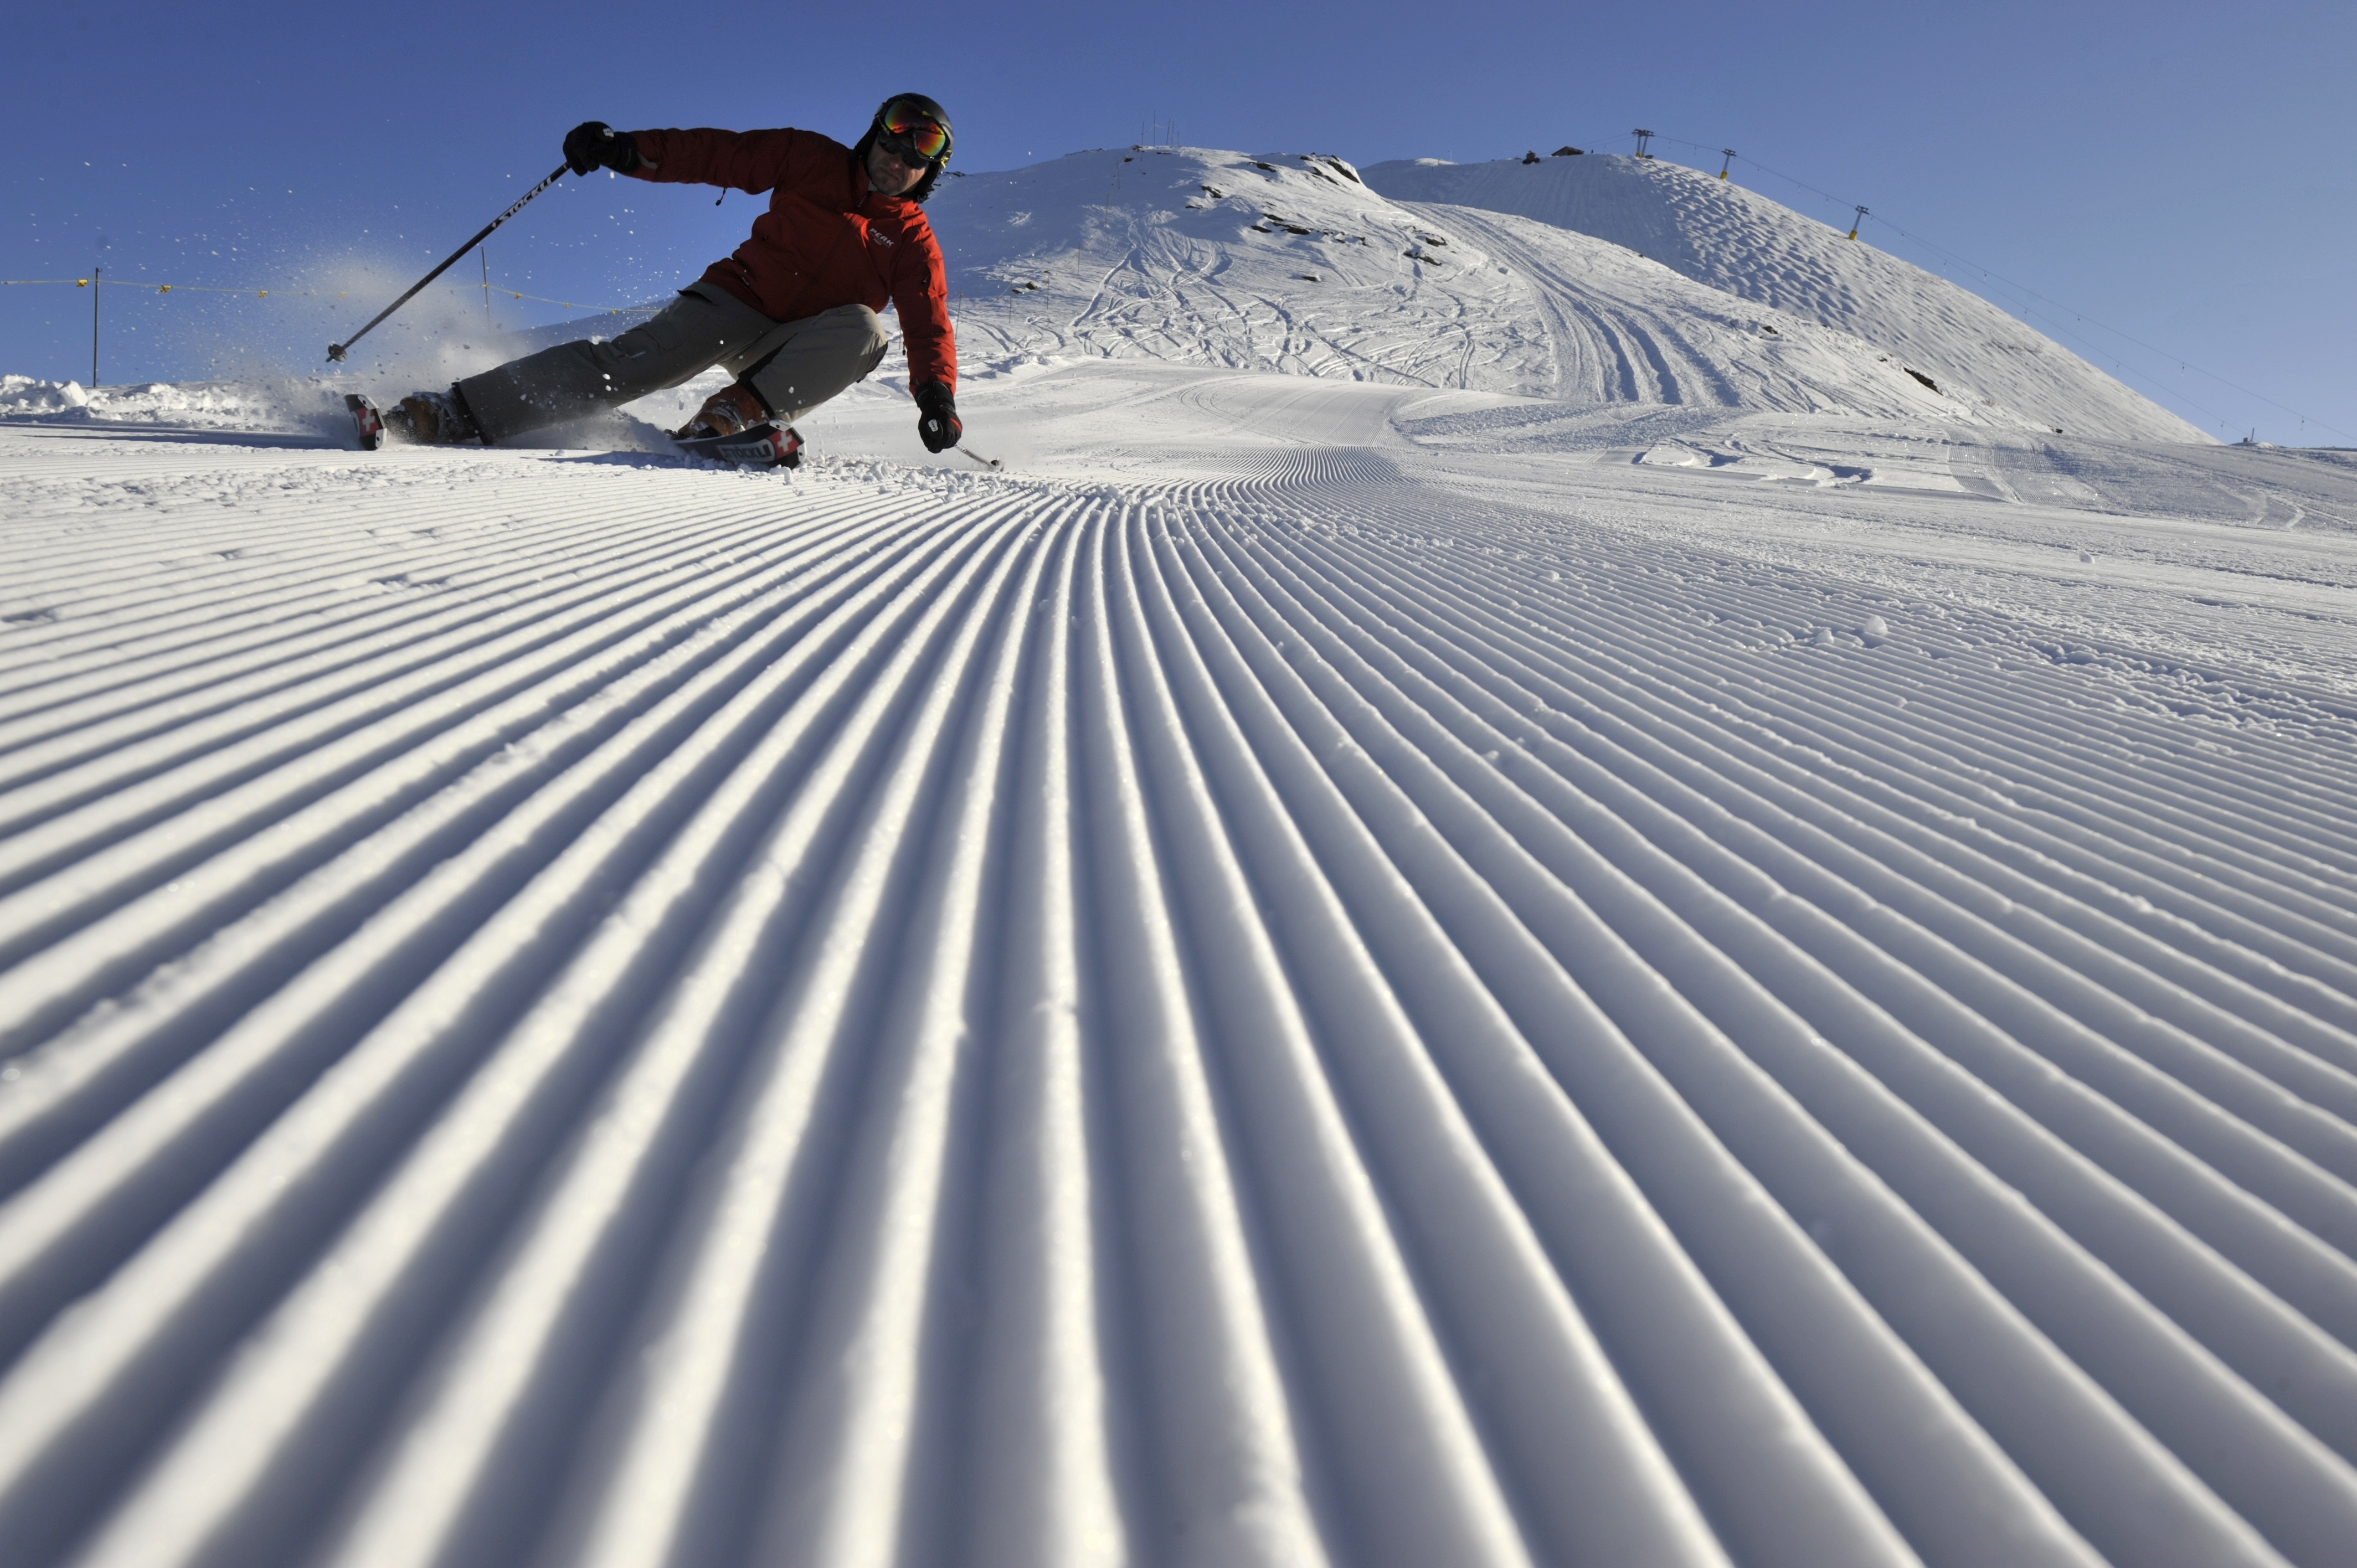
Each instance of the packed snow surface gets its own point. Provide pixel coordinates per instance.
(1370, 970)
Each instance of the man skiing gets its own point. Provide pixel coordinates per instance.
(791, 315)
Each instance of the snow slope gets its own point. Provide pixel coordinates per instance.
(1717, 233)
(1294, 263)
(1318, 972)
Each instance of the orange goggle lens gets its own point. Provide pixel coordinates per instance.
(924, 137)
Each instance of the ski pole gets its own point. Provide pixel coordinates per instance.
(336, 350)
(986, 462)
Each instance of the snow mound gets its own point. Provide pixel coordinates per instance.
(290, 405)
(309, 408)
(1717, 233)
(22, 395)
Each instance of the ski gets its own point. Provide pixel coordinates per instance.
(761, 446)
(366, 420)
(758, 447)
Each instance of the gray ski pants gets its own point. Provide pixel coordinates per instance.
(795, 365)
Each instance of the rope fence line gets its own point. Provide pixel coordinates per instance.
(302, 293)
(97, 281)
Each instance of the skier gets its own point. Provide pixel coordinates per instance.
(791, 315)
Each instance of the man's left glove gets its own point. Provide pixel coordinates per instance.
(937, 420)
(595, 144)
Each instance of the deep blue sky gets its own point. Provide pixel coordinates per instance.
(2183, 174)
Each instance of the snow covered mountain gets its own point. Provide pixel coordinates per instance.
(1717, 233)
(1300, 264)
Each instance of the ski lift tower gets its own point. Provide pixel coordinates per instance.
(1728, 164)
(1643, 137)
(1860, 223)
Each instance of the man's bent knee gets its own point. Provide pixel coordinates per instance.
(570, 379)
(825, 354)
(879, 338)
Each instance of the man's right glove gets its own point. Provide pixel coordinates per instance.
(598, 144)
(937, 420)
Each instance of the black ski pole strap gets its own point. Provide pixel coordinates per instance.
(336, 350)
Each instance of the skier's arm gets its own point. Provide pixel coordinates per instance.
(920, 292)
(749, 161)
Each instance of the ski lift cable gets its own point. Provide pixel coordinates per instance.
(1985, 272)
(2182, 361)
(2097, 350)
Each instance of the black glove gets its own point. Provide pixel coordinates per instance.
(595, 144)
(937, 420)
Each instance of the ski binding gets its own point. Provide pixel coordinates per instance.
(763, 446)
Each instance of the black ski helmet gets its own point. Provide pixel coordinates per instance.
(931, 111)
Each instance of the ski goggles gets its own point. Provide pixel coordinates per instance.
(904, 130)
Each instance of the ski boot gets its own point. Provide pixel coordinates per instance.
(434, 419)
(734, 425)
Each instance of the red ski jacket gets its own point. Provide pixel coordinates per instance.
(827, 240)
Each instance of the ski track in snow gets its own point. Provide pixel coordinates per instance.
(1351, 1001)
